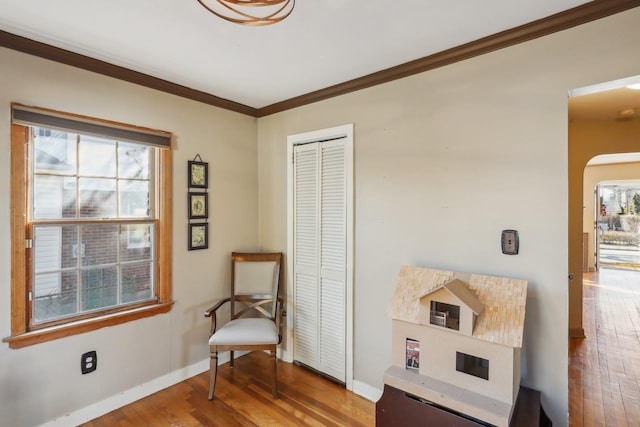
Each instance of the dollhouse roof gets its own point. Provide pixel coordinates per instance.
(503, 299)
(459, 289)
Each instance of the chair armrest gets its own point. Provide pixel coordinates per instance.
(211, 312)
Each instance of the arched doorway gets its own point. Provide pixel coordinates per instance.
(598, 124)
(604, 128)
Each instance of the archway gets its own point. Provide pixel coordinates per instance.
(600, 122)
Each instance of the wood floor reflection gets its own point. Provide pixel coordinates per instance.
(604, 367)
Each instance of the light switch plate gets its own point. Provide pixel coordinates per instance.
(510, 242)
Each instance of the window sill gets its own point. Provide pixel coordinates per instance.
(55, 332)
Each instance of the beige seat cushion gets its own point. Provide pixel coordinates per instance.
(246, 331)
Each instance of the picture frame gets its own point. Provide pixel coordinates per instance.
(412, 357)
(198, 205)
(198, 174)
(198, 236)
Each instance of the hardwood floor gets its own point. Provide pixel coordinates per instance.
(604, 367)
(604, 373)
(243, 398)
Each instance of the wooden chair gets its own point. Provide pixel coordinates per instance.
(255, 278)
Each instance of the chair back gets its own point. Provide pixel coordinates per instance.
(255, 280)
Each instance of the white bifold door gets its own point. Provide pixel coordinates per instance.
(320, 256)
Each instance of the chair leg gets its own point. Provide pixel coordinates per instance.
(213, 372)
(274, 386)
(231, 359)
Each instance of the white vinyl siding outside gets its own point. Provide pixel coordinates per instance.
(47, 256)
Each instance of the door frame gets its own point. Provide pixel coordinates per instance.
(580, 151)
(596, 229)
(338, 132)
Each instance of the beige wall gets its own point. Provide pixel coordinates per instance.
(593, 175)
(43, 382)
(447, 159)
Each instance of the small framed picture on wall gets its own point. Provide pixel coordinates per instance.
(198, 174)
(198, 205)
(198, 236)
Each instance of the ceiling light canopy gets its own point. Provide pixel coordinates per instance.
(250, 12)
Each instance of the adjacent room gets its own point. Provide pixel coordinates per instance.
(144, 143)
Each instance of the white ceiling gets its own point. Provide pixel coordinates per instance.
(609, 101)
(612, 100)
(322, 43)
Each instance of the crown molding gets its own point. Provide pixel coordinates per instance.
(43, 50)
(561, 21)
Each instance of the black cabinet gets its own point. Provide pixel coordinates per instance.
(399, 409)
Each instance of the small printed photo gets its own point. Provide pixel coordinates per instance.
(413, 354)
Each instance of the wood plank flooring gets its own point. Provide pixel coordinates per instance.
(604, 367)
(243, 398)
(604, 373)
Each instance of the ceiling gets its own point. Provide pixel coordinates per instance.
(612, 100)
(321, 44)
(609, 101)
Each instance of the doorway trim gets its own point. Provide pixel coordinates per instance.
(338, 132)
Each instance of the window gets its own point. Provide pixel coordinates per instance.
(90, 199)
(447, 315)
(472, 365)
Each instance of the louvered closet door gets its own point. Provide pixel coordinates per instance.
(320, 257)
(306, 254)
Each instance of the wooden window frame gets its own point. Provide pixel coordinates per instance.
(21, 335)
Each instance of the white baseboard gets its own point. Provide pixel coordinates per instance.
(367, 391)
(284, 355)
(136, 393)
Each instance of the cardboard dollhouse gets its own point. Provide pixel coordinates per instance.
(464, 333)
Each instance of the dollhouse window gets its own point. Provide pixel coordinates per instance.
(445, 315)
(472, 365)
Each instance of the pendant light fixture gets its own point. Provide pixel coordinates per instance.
(250, 12)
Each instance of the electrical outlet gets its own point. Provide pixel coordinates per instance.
(89, 362)
(510, 242)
